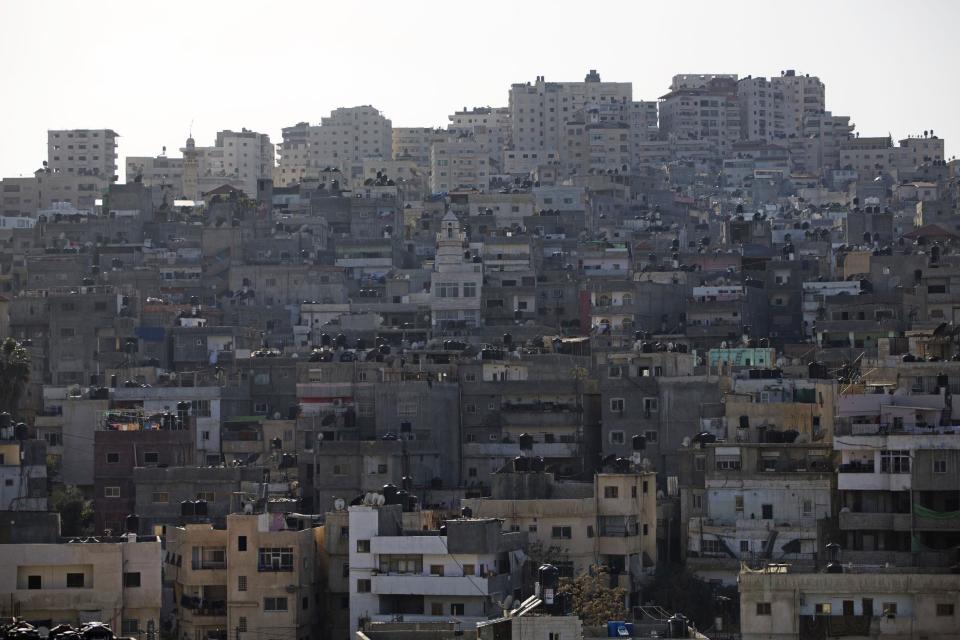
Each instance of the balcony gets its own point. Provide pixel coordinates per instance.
(204, 565)
(869, 481)
(411, 584)
(855, 520)
(275, 567)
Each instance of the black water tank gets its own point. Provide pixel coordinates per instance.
(526, 442)
(406, 482)
(21, 431)
(293, 411)
(466, 512)
(324, 339)
(677, 626)
(537, 464)
(113, 381)
(549, 578)
(412, 503)
(276, 443)
(521, 464)
(132, 523)
(507, 339)
(341, 340)
(187, 508)
(622, 465)
(639, 442)
(389, 492)
(5, 420)
(401, 499)
(200, 507)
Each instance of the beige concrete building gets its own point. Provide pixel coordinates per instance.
(776, 108)
(415, 143)
(254, 580)
(539, 111)
(113, 580)
(239, 159)
(703, 110)
(349, 135)
(460, 163)
(573, 525)
(156, 171)
(82, 152)
(778, 603)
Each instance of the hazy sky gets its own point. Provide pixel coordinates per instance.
(147, 70)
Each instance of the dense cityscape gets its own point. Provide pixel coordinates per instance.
(574, 366)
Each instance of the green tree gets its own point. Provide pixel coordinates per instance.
(14, 374)
(76, 512)
(593, 599)
(680, 591)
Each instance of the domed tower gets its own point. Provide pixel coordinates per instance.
(191, 170)
(456, 281)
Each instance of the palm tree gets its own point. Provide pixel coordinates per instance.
(14, 374)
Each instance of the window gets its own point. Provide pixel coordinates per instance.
(160, 497)
(738, 504)
(34, 582)
(763, 608)
(767, 511)
(616, 405)
(436, 608)
(111, 492)
(808, 508)
(305, 603)
(700, 463)
(712, 545)
(275, 604)
(744, 546)
(241, 543)
(651, 404)
(823, 609)
(436, 569)
(113, 457)
(945, 609)
(617, 437)
(363, 585)
(241, 583)
(456, 608)
(939, 465)
(611, 492)
(242, 624)
(363, 546)
(651, 436)
(131, 579)
(74, 580)
(697, 501)
(130, 627)
(615, 371)
(276, 558)
(895, 461)
(889, 608)
(728, 463)
(209, 496)
(469, 289)
(561, 533)
(151, 457)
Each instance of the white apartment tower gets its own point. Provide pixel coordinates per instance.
(776, 108)
(350, 135)
(83, 152)
(456, 282)
(539, 111)
(238, 158)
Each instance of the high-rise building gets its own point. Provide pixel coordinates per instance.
(539, 111)
(350, 135)
(83, 152)
(239, 159)
(703, 108)
(776, 108)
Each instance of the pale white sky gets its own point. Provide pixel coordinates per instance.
(147, 70)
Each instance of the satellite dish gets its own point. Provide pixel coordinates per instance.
(686, 442)
(339, 504)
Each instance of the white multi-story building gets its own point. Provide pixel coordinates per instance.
(539, 111)
(83, 152)
(456, 282)
(415, 143)
(348, 136)
(156, 171)
(777, 108)
(239, 159)
(702, 108)
(462, 162)
(458, 573)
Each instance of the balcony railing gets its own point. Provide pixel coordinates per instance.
(200, 565)
(275, 567)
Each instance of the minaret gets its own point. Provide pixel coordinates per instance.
(450, 240)
(191, 170)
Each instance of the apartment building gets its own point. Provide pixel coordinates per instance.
(239, 159)
(456, 284)
(539, 111)
(415, 143)
(349, 135)
(460, 571)
(776, 108)
(255, 577)
(461, 163)
(609, 521)
(83, 152)
(156, 171)
(779, 602)
(706, 111)
(115, 580)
